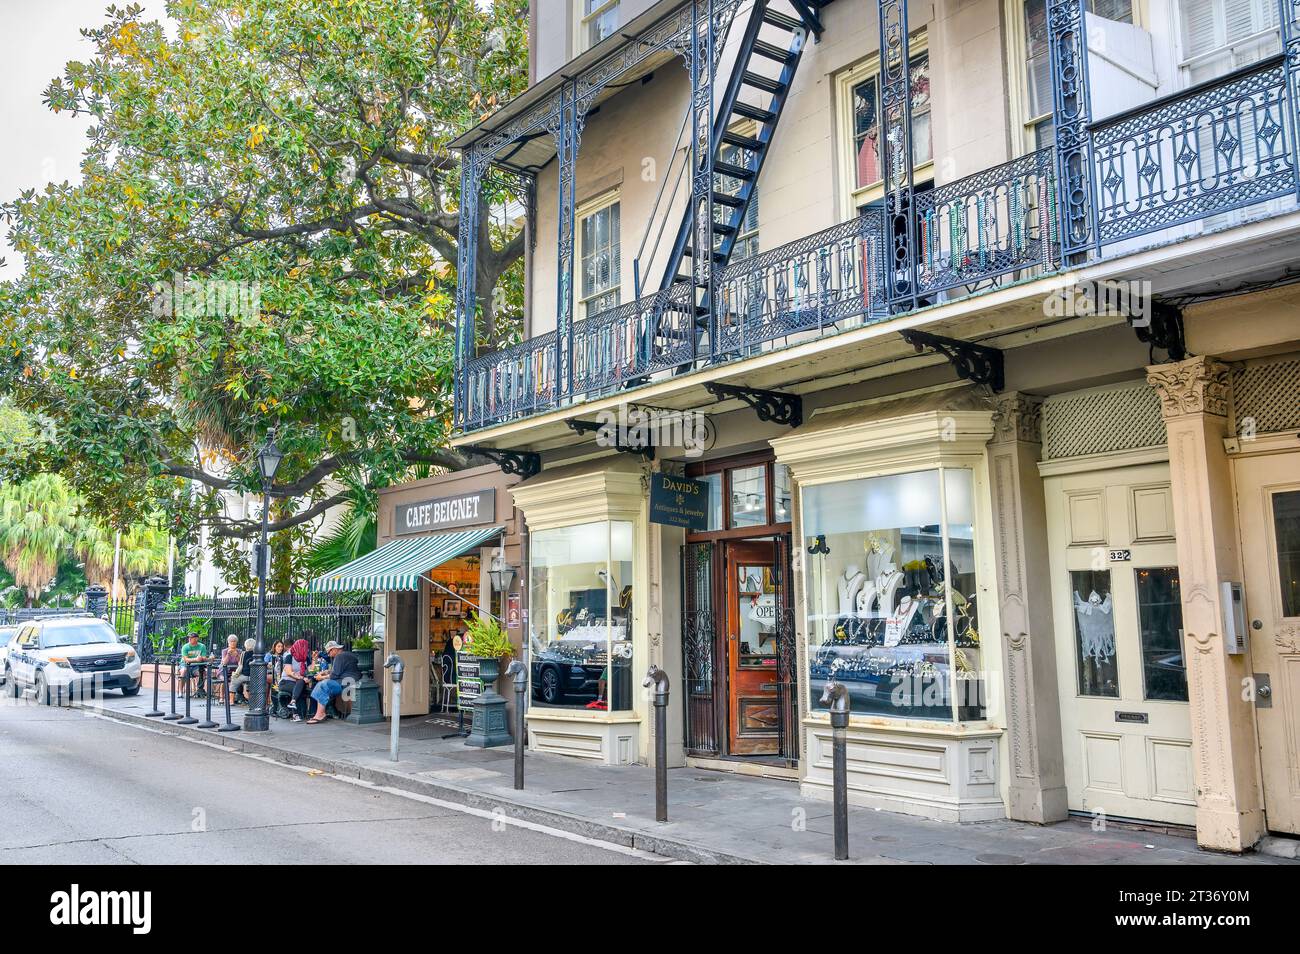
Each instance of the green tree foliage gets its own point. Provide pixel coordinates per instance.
(265, 235)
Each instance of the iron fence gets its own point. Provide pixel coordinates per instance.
(316, 617)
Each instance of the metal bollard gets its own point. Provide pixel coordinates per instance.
(517, 670)
(171, 688)
(156, 712)
(659, 679)
(207, 722)
(189, 719)
(229, 725)
(836, 696)
(394, 662)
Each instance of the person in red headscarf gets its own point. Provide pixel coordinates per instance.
(293, 677)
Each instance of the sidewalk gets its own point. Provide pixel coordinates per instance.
(714, 816)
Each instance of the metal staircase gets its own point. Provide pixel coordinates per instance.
(764, 70)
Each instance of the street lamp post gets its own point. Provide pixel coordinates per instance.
(257, 719)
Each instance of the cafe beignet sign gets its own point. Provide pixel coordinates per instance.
(446, 513)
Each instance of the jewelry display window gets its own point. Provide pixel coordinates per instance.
(890, 579)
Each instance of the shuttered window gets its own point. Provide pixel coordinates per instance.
(1219, 36)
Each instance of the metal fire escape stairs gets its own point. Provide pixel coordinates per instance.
(765, 65)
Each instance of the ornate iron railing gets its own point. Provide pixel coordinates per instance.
(815, 282)
(1216, 147)
(997, 222)
(1220, 146)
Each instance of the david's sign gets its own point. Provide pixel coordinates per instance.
(446, 513)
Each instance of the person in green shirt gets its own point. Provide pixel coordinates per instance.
(192, 654)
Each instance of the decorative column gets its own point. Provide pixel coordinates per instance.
(1037, 769)
(1289, 18)
(471, 180)
(1068, 49)
(896, 127)
(1194, 400)
(566, 128)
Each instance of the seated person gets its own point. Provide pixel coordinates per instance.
(344, 671)
(239, 675)
(193, 656)
(293, 680)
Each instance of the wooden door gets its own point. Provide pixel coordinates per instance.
(1125, 724)
(408, 636)
(753, 703)
(1268, 507)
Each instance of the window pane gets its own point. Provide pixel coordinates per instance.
(749, 496)
(715, 500)
(866, 133)
(1118, 10)
(600, 265)
(603, 24)
(781, 481)
(1160, 616)
(1094, 633)
(875, 582)
(1286, 530)
(959, 578)
(620, 601)
(569, 615)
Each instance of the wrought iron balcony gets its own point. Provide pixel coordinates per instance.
(1152, 175)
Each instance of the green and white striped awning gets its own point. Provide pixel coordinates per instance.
(398, 565)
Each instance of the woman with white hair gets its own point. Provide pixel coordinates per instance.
(239, 676)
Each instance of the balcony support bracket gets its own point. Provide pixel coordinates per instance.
(976, 363)
(776, 407)
(1163, 329)
(524, 464)
(641, 448)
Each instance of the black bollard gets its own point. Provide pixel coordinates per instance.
(207, 722)
(836, 696)
(156, 711)
(659, 679)
(520, 674)
(171, 688)
(189, 719)
(229, 726)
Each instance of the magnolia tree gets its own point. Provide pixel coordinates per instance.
(264, 235)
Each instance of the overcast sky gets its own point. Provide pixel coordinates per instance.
(36, 38)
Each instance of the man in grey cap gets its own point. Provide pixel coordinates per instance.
(344, 671)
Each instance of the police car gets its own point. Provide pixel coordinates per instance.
(68, 656)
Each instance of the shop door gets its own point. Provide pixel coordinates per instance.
(699, 647)
(1268, 506)
(1125, 725)
(752, 616)
(410, 641)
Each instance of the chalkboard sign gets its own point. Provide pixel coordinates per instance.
(469, 685)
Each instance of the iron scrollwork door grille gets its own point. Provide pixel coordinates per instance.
(787, 661)
(699, 648)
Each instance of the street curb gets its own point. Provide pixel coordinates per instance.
(552, 818)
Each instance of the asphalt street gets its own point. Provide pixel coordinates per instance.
(76, 789)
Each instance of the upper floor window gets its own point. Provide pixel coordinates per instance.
(1038, 63)
(746, 244)
(1219, 36)
(599, 254)
(597, 20)
(860, 120)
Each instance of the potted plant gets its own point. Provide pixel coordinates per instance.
(363, 647)
(488, 641)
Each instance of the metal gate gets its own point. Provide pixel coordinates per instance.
(787, 657)
(699, 648)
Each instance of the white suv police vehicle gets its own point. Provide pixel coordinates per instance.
(70, 656)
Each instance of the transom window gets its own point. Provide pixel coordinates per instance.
(599, 250)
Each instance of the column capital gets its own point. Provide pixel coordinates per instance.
(1197, 385)
(1017, 417)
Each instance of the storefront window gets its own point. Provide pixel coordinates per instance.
(891, 594)
(1094, 634)
(1160, 616)
(580, 621)
(749, 496)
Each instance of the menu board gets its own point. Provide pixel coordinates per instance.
(469, 684)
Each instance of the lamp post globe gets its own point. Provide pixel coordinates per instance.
(257, 719)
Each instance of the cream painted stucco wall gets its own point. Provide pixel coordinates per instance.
(800, 190)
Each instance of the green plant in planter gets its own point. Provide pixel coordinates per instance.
(366, 641)
(487, 640)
